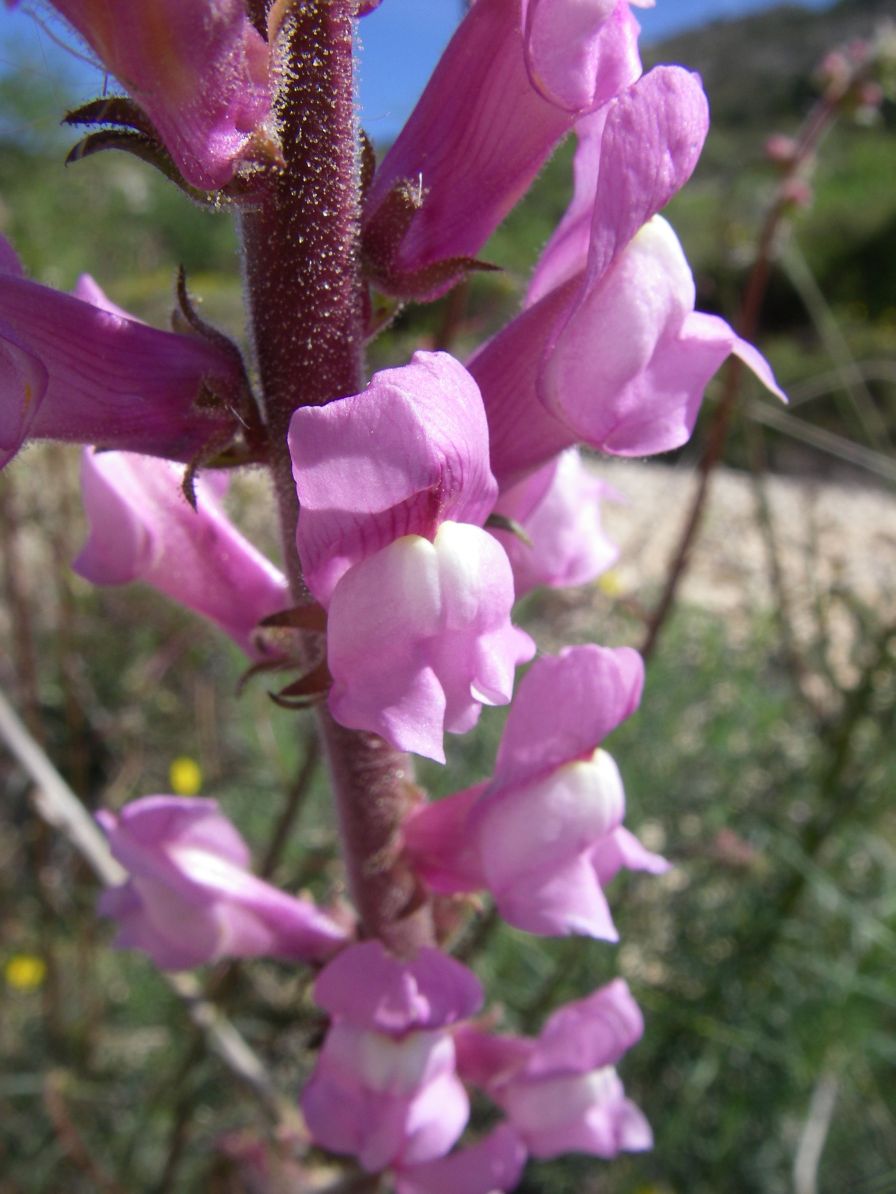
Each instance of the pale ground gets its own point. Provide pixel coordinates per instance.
(836, 544)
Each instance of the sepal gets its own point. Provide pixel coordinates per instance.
(381, 242)
(116, 110)
(144, 146)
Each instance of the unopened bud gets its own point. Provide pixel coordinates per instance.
(796, 192)
(781, 149)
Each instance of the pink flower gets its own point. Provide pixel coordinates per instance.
(143, 528)
(81, 370)
(545, 835)
(510, 85)
(198, 68)
(558, 507)
(384, 1088)
(393, 487)
(190, 898)
(609, 350)
(560, 1092)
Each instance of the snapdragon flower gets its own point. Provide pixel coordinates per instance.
(384, 1089)
(190, 898)
(560, 1092)
(394, 486)
(609, 351)
(545, 835)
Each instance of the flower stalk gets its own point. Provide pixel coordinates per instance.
(306, 304)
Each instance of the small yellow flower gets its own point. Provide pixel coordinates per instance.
(24, 972)
(185, 776)
(610, 584)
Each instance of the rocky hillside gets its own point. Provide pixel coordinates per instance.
(758, 68)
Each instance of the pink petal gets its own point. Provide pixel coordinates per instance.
(585, 1113)
(88, 290)
(351, 1108)
(623, 339)
(23, 385)
(589, 1033)
(523, 434)
(419, 637)
(440, 846)
(143, 528)
(564, 707)
(705, 329)
(567, 544)
(436, 1120)
(652, 139)
(430, 463)
(561, 899)
(572, 366)
(493, 1164)
(559, 1092)
(579, 53)
(566, 253)
(342, 1116)
(629, 369)
(196, 942)
(156, 821)
(191, 900)
(622, 849)
(371, 988)
(526, 833)
(620, 363)
(487, 1059)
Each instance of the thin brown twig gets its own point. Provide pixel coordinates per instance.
(782, 604)
(747, 323)
(70, 1139)
(837, 794)
(181, 1122)
(296, 796)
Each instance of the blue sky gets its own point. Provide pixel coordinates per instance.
(403, 38)
(401, 42)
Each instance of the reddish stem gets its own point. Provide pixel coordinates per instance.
(306, 300)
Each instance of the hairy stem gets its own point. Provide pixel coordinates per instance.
(306, 300)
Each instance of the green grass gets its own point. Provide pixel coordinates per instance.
(751, 992)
